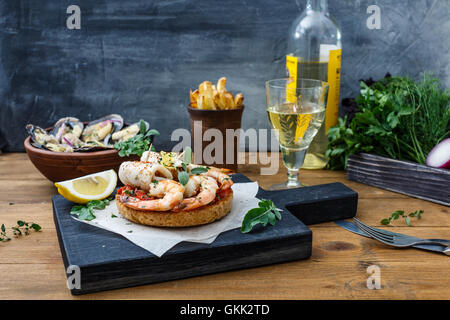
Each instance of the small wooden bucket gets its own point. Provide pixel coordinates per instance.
(220, 120)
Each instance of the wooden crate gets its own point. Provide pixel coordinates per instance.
(413, 179)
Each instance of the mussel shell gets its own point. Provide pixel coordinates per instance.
(123, 135)
(117, 124)
(92, 146)
(61, 124)
(39, 136)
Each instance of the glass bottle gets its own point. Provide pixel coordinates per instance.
(314, 52)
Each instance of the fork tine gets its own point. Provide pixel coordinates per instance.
(375, 237)
(373, 234)
(379, 232)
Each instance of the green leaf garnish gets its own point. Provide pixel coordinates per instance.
(183, 177)
(142, 126)
(199, 170)
(86, 212)
(187, 158)
(264, 214)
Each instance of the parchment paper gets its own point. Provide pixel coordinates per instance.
(159, 240)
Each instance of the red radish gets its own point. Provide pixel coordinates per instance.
(439, 157)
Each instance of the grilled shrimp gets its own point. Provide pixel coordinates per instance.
(170, 191)
(223, 179)
(191, 187)
(208, 190)
(141, 174)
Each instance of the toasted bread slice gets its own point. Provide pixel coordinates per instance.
(199, 216)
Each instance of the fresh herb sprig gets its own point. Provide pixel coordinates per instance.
(25, 228)
(396, 118)
(22, 228)
(183, 176)
(266, 213)
(400, 213)
(3, 235)
(86, 212)
(139, 143)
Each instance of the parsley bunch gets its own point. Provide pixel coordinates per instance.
(86, 212)
(264, 214)
(396, 118)
(137, 144)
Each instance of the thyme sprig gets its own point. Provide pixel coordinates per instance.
(400, 213)
(22, 228)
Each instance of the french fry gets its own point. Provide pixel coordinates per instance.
(238, 100)
(201, 101)
(216, 98)
(204, 87)
(206, 90)
(193, 95)
(221, 84)
(212, 97)
(228, 100)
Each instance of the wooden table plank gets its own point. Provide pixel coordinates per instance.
(31, 267)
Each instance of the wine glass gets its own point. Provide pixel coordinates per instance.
(296, 111)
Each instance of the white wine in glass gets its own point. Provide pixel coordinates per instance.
(296, 115)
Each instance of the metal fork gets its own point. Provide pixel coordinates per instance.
(397, 240)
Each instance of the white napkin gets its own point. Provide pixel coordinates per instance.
(159, 240)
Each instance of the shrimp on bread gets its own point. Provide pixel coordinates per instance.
(153, 196)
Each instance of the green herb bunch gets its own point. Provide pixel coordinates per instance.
(137, 144)
(397, 118)
(86, 212)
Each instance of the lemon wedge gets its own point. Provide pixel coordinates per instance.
(96, 186)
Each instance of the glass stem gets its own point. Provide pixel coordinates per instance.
(317, 5)
(292, 177)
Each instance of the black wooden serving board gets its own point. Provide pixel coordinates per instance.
(109, 261)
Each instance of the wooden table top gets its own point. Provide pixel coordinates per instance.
(31, 267)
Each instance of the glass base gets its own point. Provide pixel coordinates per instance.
(286, 185)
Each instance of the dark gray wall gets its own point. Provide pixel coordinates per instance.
(139, 58)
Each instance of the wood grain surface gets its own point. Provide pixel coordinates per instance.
(31, 267)
(412, 179)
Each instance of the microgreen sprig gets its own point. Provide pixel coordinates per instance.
(22, 228)
(137, 144)
(3, 235)
(400, 213)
